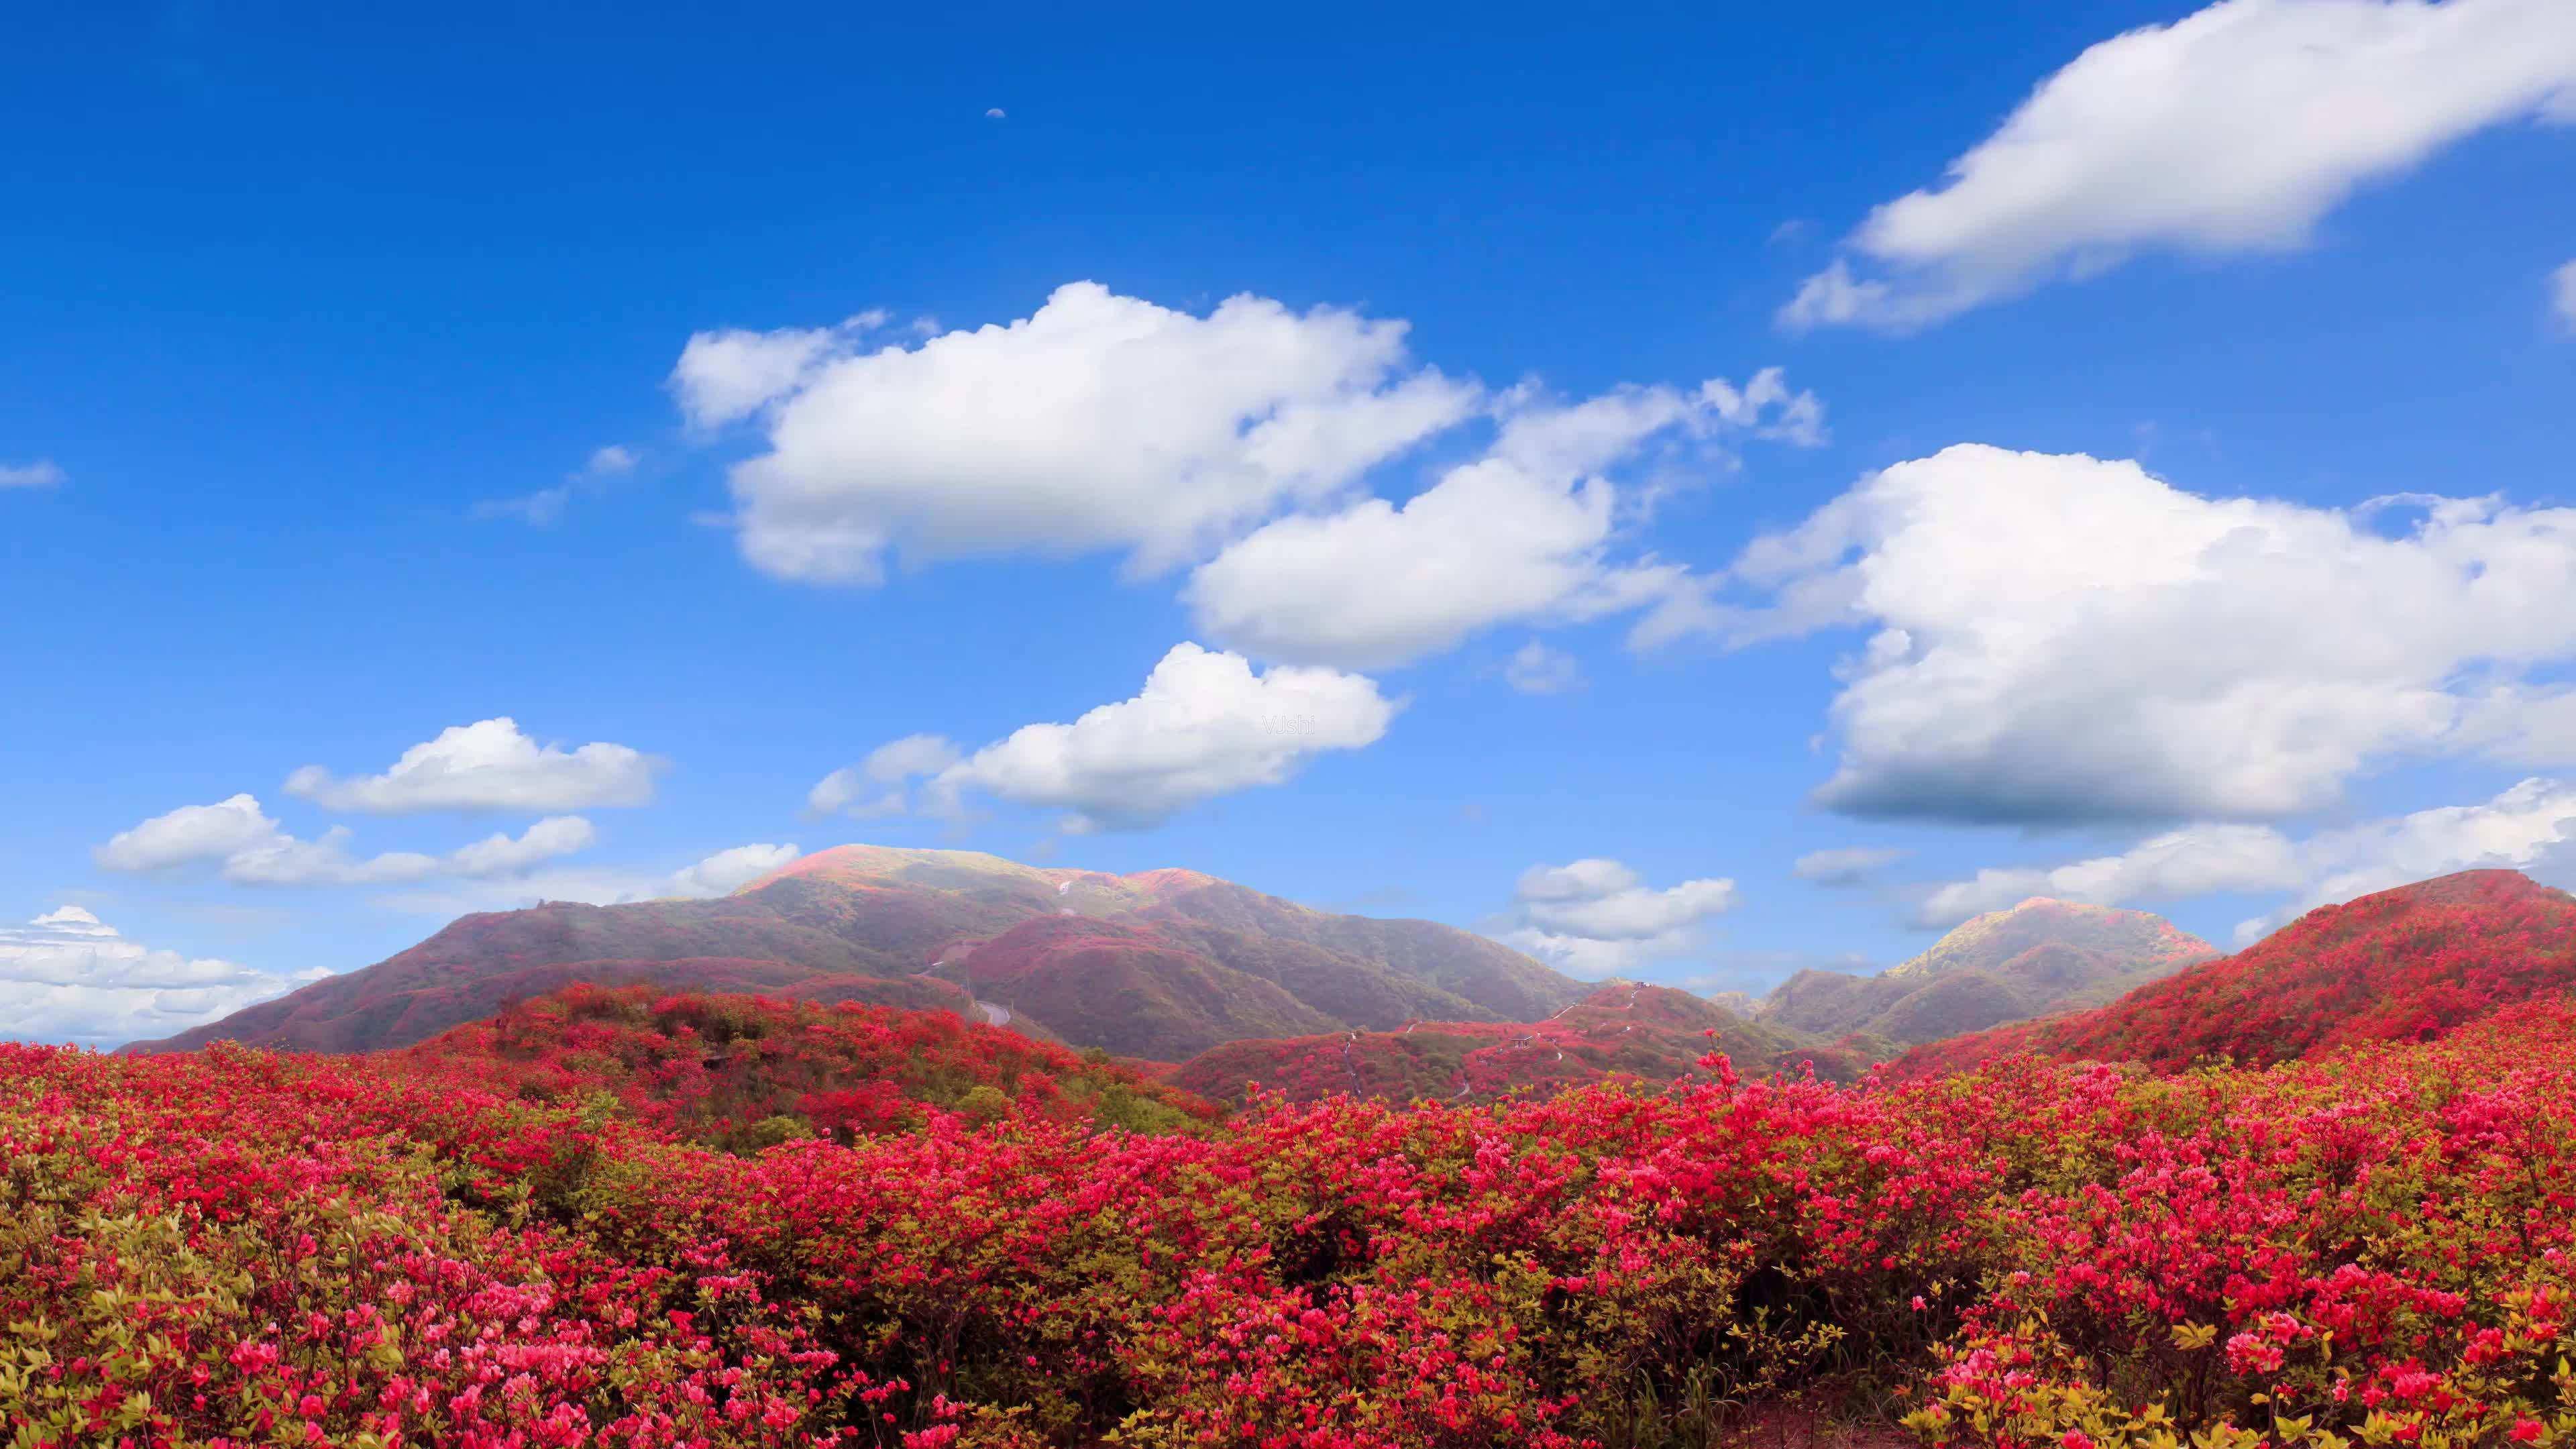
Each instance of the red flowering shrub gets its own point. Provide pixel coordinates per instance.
(748, 1071)
(236, 1248)
(2401, 965)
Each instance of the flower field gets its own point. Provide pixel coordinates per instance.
(2366, 1247)
(741, 1071)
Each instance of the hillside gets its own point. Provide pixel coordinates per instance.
(234, 1246)
(1189, 959)
(2040, 957)
(2401, 965)
(736, 1071)
(1653, 1034)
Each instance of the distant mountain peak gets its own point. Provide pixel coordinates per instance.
(1161, 962)
(2040, 956)
(2406, 963)
(2140, 938)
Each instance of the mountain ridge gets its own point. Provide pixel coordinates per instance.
(1199, 959)
(2409, 963)
(2032, 959)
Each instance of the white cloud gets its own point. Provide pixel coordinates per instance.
(253, 849)
(1850, 865)
(2062, 638)
(189, 834)
(489, 765)
(1523, 532)
(993, 113)
(1205, 724)
(716, 875)
(1537, 669)
(2562, 296)
(1099, 422)
(1594, 918)
(546, 505)
(42, 473)
(67, 976)
(547, 839)
(725, 377)
(728, 870)
(886, 768)
(1581, 880)
(2234, 129)
(2176, 865)
(537, 509)
(2533, 821)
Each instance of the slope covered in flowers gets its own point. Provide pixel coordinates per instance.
(2399, 965)
(231, 1248)
(1652, 1034)
(737, 1070)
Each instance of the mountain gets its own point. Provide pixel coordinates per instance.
(2402, 965)
(1161, 963)
(744, 1071)
(2040, 957)
(1652, 1033)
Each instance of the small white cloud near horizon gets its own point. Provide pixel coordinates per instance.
(249, 848)
(719, 874)
(887, 767)
(2060, 639)
(1847, 866)
(68, 977)
(1596, 918)
(2533, 822)
(42, 473)
(490, 765)
(2235, 129)
(1535, 668)
(1205, 724)
(728, 870)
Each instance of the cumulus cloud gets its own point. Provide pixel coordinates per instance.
(1537, 669)
(42, 473)
(188, 834)
(726, 376)
(2175, 865)
(2235, 129)
(719, 874)
(2562, 297)
(252, 849)
(488, 765)
(1205, 724)
(2529, 823)
(1523, 532)
(1594, 918)
(847, 791)
(67, 976)
(1848, 866)
(2059, 638)
(728, 870)
(1099, 422)
(1239, 443)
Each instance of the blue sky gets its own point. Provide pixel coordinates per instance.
(350, 397)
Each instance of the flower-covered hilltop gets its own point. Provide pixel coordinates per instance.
(2366, 1244)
